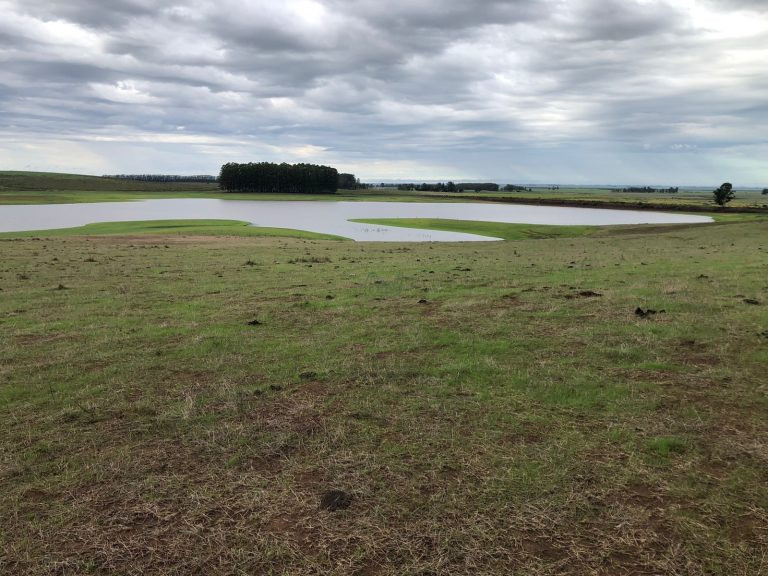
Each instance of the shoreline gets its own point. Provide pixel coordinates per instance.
(616, 205)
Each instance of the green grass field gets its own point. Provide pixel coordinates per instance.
(53, 188)
(685, 199)
(501, 230)
(181, 403)
(172, 227)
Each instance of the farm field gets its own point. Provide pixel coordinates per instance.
(693, 199)
(218, 404)
(52, 188)
(347, 288)
(171, 227)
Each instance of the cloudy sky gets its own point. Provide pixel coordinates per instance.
(568, 91)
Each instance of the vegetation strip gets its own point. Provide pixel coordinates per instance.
(501, 230)
(188, 227)
(605, 202)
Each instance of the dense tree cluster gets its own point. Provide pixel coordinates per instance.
(349, 182)
(723, 194)
(451, 187)
(162, 177)
(515, 188)
(478, 186)
(267, 177)
(765, 190)
(649, 190)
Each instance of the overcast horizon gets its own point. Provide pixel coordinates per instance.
(544, 91)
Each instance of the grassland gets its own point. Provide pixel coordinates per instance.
(503, 230)
(183, 403)
(52, 188)
(691, 199)
(172, 227)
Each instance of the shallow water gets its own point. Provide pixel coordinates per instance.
(326, 217)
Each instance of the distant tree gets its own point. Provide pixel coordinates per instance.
(267, 177)
(649, 190)
(765, 191)
(449, 186)
(514, 188)
(478, 186)
(348, 182)
(162, 178)
(724, 194)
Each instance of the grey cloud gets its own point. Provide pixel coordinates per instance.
(460, 83)
(91, 13)
(67, 73)
(449, 16)
(618, 20)
(751, 5)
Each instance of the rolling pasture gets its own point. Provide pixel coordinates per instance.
(219, 404)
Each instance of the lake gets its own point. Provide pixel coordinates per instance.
(326, 217)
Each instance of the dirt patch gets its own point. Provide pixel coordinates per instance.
(36, 495)
(696, 354)
(641, 494)
(522, 438)
(29, 339)
(749, 530)
(289, 525)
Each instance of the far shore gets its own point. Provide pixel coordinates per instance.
(614, 205)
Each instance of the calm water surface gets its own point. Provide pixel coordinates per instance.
(326, 217)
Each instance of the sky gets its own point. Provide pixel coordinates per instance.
(645, 92)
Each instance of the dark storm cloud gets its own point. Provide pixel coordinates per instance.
(405, 83)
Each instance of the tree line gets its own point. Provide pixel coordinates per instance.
(451, 187)
(271, 178)
(349, 182)
(649, 190)
(161, 177)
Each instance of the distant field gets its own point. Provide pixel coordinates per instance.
(51, 181)
(685, 198)
(49, 188)
(501, 230)
(179, 404)
(494, 229)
